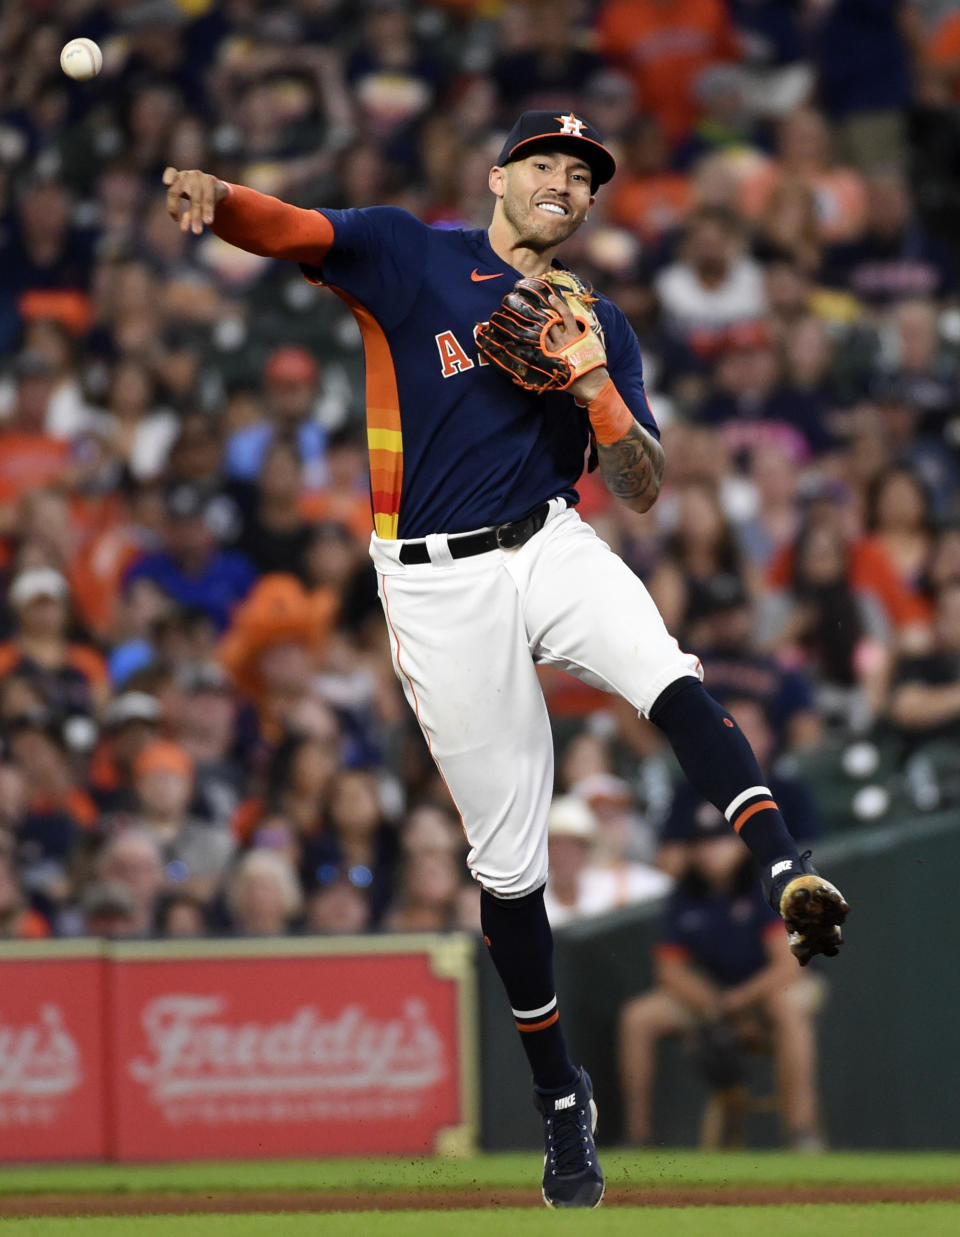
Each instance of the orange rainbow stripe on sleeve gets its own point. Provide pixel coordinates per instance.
(384, 430)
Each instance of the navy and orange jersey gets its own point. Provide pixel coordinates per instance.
(722, 934)
(454, 444)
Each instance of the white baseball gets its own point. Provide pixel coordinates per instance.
(81, 59)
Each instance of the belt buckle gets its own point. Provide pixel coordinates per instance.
(508, 536)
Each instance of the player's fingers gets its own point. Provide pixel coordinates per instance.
(173, 193)
(209, 198)
(196, 204)
(556, 337)
(169, 175)
(563, 309)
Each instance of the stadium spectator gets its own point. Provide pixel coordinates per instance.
(30, 457)
(721, 634)
(923, 370)
(899, 517)
(264, 895)
(702, 546)
(338, 907)
(865, 95)
(824, 624)
(273, 534)
(130, 723)
(723, 958)
(132, 862)
(664, 45)
(47, 265)
(751, 401)
(108, 911)
(648, 195)
(358, 840)
(18, 920)
(924, 702)
(195, 853)
(623, 833)
(788, 227)
(206, 727)
(291, 378)
(887, 604)
(726, 124)
(803, 156)
(181, 917)
(275, 646)
(427, 894)
(192, 570)
(579, 885)
(713, 283)
(892, 256)
(551, 69)
(70, 677)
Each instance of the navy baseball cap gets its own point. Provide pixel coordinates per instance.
(542, 129)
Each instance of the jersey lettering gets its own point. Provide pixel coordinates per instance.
(453, 359)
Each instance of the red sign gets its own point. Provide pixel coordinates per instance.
(51, 1058)
(303, 1055)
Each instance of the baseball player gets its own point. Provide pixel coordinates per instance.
(491, 372)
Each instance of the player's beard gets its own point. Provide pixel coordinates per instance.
(536, 233)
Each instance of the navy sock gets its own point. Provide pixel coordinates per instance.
(718, 760)
(517, 933)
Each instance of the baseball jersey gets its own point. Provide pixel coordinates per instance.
(721, 933)
(454, 444)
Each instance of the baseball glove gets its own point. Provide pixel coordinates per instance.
(515, 338)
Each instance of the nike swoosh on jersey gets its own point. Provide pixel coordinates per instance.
(478, 278)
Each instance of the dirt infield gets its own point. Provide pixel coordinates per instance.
(33, 1205)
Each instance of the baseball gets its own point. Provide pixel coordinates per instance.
(81, 59)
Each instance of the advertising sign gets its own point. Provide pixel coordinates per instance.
(51, 1054)
(243, 1051)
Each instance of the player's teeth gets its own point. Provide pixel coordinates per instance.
(552, 208)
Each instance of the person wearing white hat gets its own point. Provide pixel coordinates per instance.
(72, 677)
(578, 886)
(35, 583)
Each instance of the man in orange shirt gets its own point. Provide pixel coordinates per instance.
(665, 44)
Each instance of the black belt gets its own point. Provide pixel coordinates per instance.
(502, 537)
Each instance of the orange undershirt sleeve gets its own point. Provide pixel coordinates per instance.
(264, 225)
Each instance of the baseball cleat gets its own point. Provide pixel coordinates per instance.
(572, 1176)
(812, 908)
(813, 911)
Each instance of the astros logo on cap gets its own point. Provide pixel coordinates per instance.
(571, 124)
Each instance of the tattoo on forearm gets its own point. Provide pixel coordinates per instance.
(633, 468)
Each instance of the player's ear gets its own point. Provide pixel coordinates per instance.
(497, 181)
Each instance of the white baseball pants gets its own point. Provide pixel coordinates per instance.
(465, 635)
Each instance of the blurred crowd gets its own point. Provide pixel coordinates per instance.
(201, 730)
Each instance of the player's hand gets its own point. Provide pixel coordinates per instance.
(202, 193)
(591, 384)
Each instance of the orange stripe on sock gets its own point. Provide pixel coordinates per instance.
(763, 806)
(538, 1026)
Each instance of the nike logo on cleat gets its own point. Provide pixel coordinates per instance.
(565, 1101)
(478, 278)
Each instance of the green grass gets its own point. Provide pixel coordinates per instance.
(890, 1220)
(649, 1168)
